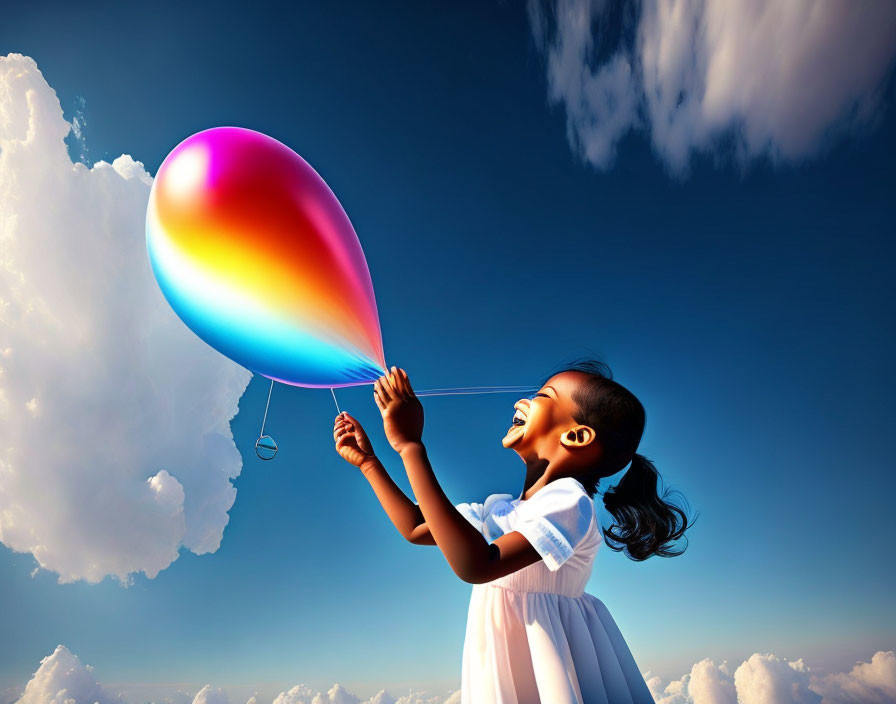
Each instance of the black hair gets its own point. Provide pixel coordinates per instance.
(645, 524)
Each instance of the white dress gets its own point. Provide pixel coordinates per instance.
(535, 635)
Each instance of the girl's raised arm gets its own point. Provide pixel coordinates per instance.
(354, 447)
(465, 548)
(406, 515)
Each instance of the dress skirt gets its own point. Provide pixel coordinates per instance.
(539, 647)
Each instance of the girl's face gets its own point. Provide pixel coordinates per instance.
(541, 421)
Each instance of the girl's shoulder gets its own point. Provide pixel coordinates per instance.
(559, 496)
(564, 497)
(559, 519)
(563, 491)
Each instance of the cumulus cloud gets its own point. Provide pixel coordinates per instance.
(62, 679)
(115, 441)
(761, 679)
(382, 697)
(766, 679)
(211, 695)
(766, 78)
(706, 683)
(426, 698)
(300, 694)
(337, 694)
(868, 682)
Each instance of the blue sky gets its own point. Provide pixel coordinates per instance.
(749, 305)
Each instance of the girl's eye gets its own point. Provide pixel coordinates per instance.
(541, 394)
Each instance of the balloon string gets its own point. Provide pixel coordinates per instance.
(338, 410)
(462, 391)
(261, 435)
(456, 391)
(485, 388)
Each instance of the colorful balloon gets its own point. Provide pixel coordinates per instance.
(256, 255)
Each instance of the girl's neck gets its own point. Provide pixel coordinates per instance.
(540, 472)
(537, 476)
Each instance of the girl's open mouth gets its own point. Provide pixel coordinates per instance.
(517, 424)
(521, 414)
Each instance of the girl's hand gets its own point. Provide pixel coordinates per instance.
(352, 442)
(401, 409)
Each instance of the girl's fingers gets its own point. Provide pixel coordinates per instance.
(406, 383)
(395, 381)
(387, 387)
(379, 403)
(393, 384)
(385, 391)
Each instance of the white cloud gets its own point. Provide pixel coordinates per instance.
(601, 102)
(115, 441)
(62, 679)
(382, 697)
(211, 695)
(761, 679)
(704, 684)
(300, 694)
(868, 682)
(337, 694)
(426, 698)
(765, 679)
(776, 79)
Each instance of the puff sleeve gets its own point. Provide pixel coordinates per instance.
(473, 513)
(556, 519)
(478, 514)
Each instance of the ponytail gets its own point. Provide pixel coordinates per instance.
(645, 524)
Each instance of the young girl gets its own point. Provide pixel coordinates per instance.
(533, 634)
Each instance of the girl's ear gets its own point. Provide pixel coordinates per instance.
(578, 436)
